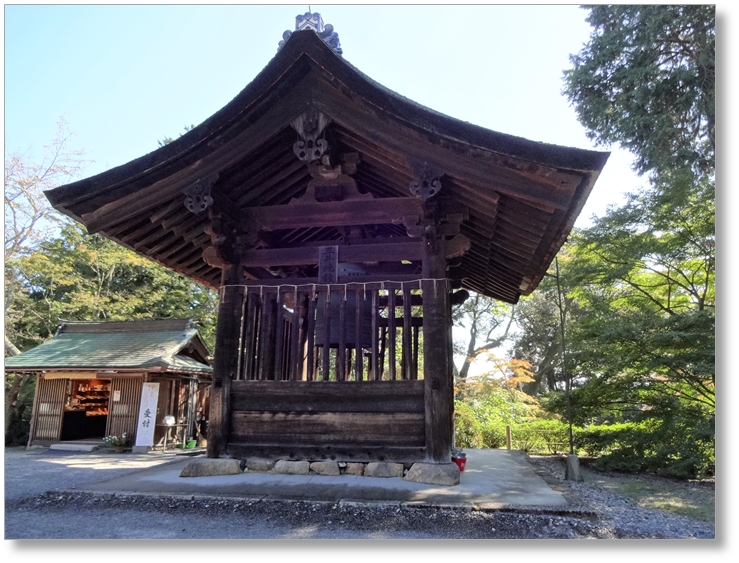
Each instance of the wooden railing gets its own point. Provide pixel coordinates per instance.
(357, 331)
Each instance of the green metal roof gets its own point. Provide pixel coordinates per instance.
(114, 345)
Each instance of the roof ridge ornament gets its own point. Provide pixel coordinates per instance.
(314, 21)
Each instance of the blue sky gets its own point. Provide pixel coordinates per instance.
(125, 76)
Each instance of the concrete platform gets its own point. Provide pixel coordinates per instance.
(492, 479)
(75, 447)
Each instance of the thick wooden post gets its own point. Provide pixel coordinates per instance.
(226, 357)
(437, 372)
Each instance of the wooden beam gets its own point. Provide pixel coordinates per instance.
(333, 452)
(360, 253)
(334, 396)
(335, 213)
(371, 282)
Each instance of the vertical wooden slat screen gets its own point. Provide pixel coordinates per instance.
(49, 410)
(295, 363)
(375, 341)
(415, 352)
(326, 350)
(279, 338)
(241, 365)
(122, 414)
(341, 352)
(392, 331)
(407, 336)
(300, 333)
(250, 337)
(311, 374)
(266, 338)
(359, 355)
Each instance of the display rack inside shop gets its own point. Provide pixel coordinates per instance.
(89, 396)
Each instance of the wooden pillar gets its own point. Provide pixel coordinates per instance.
(226, 357)
(437, 372)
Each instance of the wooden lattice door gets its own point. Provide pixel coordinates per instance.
(50, 396)
(123, 406)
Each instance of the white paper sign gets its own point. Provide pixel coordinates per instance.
(147, 414)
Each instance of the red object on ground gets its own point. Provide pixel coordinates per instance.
(460, 460)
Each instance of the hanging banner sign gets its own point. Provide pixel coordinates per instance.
(328, 264)
(147, 414)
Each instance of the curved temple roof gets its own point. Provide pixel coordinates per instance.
(519, 198)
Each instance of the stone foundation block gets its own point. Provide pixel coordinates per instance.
(382, 469)
(434, 474)
(208, 467)
(292, 467)
(259, 464)
(325, 467)
(354, 469)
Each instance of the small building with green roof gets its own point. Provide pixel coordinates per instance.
(90, 378)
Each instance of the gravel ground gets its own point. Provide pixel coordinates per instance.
(594, 513)
(618, 516)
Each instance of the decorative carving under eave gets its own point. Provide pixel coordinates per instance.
(197, 196)
(428, 180)
(309, 126)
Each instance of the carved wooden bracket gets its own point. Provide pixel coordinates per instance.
(428, 180)
(447, 225)
(229, 242)
(333, 183)
(197, 196)
(309, 125)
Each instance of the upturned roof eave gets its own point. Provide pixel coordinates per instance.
(307, 43)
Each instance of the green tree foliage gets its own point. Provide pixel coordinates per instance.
(640, 283)
(646, 79)
(88, 277)
(647, 283)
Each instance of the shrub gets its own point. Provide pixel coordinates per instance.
(554, 435)
(541, 436)
(526, 437)
(676, 447)
(467, 428)
(493, 434)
